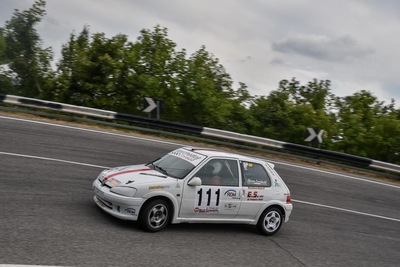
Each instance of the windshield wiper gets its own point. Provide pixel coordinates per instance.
(160, 169)
(157, 168)
(149, 164)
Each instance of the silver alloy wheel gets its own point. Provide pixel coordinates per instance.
(158, 215)
(272, 221)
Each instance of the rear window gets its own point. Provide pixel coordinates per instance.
(254, 174)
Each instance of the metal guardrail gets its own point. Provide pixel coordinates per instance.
(216, 133)
(242, 137)
(338, 156)
(97, 113)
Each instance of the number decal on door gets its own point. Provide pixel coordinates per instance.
(210, 197)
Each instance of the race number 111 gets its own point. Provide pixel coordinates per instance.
(209, 196)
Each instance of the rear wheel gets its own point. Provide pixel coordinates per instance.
(270, 221)
(155, 215)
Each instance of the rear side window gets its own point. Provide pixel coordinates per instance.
(254, 174)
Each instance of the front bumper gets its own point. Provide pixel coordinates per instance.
(125, 208)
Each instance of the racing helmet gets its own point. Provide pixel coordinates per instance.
(217, 167)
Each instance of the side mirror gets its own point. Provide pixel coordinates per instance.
(195, 181)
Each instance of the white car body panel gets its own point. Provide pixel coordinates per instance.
(236, 203)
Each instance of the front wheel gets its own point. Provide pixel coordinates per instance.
(155, 215)
(270, 221)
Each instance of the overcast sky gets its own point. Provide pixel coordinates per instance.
(353, 43)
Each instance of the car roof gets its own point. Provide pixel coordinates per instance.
(212, 152)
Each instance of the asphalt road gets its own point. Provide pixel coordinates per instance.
(47, 215)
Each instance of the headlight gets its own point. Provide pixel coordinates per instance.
(124, 191)
(103, 174)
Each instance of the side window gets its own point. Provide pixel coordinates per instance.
(254, 174)
(219, 172)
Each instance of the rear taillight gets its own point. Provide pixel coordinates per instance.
(288, 199)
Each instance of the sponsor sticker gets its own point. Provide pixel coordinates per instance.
(131, 211)
(247, 165)
(208, 210)
(113, 182)
(254, 196)
(192, 157)
(158, 187)
(230, 206)
(231, 193)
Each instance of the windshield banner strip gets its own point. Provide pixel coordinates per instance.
(189, 156)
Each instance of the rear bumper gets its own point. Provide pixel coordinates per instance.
(288, 210)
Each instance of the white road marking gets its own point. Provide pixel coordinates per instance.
(92, 131)
(166, 142)
(51, 159)
(346, 210)
(177, 144)
(19, 265)
(337, 174)
(293, 200)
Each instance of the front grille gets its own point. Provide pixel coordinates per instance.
(105, 203)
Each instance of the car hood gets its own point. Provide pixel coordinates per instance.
(132, 175)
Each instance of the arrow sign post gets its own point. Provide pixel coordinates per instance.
(314, 135)
(151, 105)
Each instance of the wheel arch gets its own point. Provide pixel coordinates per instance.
(171, 205)
(282, 209)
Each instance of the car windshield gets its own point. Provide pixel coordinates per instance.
(172, 166)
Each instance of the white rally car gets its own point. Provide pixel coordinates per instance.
(196, 185)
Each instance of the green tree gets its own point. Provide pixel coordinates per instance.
(5, 80)
(3, 58)
(205, 92)
(368, 127)
(95, 71)
(156, 66)
(316, 93)
(386, 143)
(272, 116)
(29, 62)
(314, 108)
(240, 119)
(71, 69)
(288, 111)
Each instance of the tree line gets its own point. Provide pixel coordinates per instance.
(116, 74)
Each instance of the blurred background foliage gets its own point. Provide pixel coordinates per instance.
(116, 74)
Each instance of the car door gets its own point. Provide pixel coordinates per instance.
(257, 189)
(218, 195)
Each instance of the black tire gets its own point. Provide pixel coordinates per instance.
(270, 221)
(155, 215)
